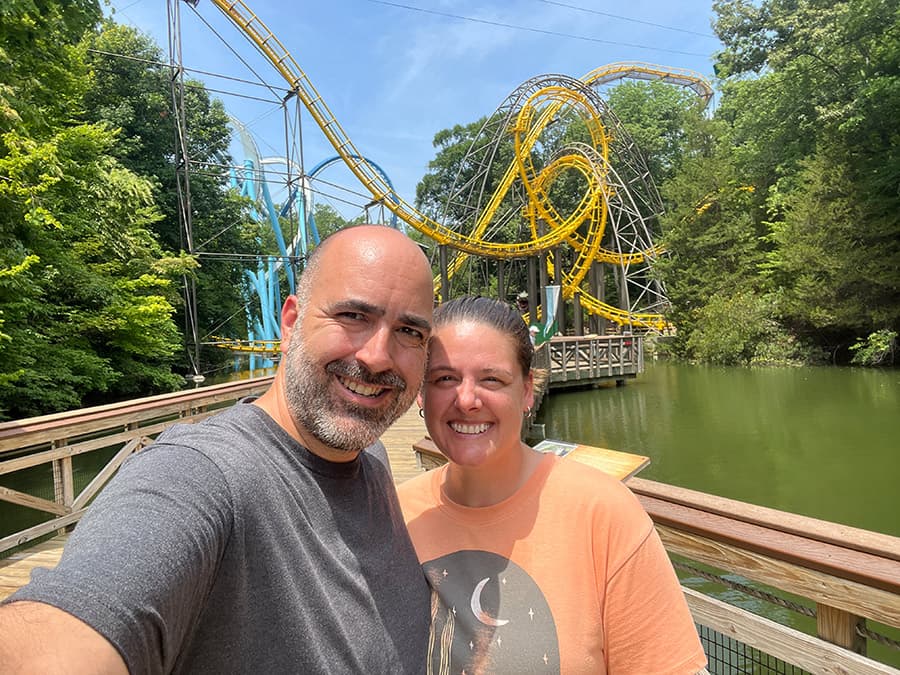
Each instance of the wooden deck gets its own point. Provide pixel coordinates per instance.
(15, 570)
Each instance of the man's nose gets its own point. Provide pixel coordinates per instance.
(375, 351)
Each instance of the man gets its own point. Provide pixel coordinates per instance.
(264, 539)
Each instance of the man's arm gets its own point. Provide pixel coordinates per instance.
(39, 638)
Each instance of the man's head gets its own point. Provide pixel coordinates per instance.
(354, 339)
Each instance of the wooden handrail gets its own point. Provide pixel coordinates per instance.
(882, 545)
(128, 425)
(839, 561)
(17, 434)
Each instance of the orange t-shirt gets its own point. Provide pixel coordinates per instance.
(566, 576)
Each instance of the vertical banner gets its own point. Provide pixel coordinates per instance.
(548, 313)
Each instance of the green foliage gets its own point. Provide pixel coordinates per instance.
(793, 194)
(877, 349)
(81, 300)
(740, 329)
(41, 65)
(328, 220)
(658, 117)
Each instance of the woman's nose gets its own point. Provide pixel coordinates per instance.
(467, 396)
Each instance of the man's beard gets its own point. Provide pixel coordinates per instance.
(338, 423)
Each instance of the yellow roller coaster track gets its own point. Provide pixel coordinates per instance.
(532, 119)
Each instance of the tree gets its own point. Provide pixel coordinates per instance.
(85, 290)
(812, 95)
(658, 116)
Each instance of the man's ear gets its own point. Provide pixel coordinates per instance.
(290, 313)
(420, 400)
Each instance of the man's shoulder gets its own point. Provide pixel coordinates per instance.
(239, 420)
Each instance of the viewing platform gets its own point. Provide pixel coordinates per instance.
(847, 580)
(590, 360)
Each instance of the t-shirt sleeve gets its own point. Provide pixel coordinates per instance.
(140, 563)
(649, 629)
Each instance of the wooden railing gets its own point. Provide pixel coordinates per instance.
(851, 575)
(129, 426)
(583, 359)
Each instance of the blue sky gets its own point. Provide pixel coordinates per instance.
(395, 73)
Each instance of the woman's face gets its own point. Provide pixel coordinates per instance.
(474, 395)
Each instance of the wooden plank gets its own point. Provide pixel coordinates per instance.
(849, 596)
(36, 430)
(107, 472)
(399, 440)
(621, 465)
(783, 642)
(32, 502)
(81, 447)
(15, 570)
(845, 536)
(23, 537)
(865, 568)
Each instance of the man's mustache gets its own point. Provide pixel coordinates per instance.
(357, 371)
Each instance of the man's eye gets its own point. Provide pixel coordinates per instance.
(442, 379)
(352, 316)
(410, 337)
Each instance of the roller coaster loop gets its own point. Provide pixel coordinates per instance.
(612, 223)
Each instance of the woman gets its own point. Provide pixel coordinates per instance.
(536, 563)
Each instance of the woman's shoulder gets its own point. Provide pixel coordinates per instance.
(588, 488)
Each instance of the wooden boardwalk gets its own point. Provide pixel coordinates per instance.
(15, 570)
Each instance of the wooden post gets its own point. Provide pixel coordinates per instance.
(839, 627)
(63, 479)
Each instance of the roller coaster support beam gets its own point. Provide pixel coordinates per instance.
(577, 313)
(445, 277)
(533, 290)
(561, 305)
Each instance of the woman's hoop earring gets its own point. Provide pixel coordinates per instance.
(422, 413)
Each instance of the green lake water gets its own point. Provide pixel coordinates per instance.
(823, 442)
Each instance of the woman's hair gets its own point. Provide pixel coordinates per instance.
(498, 315)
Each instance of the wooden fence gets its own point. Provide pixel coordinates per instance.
(129, 426)
(583, 360)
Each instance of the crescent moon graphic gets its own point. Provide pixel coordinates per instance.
(479, 613)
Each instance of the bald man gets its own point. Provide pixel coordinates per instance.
(268, 538)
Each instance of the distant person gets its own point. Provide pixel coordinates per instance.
(268, 538)
(522, 302)
(536, 563)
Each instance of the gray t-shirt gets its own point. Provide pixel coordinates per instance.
(227, 547)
